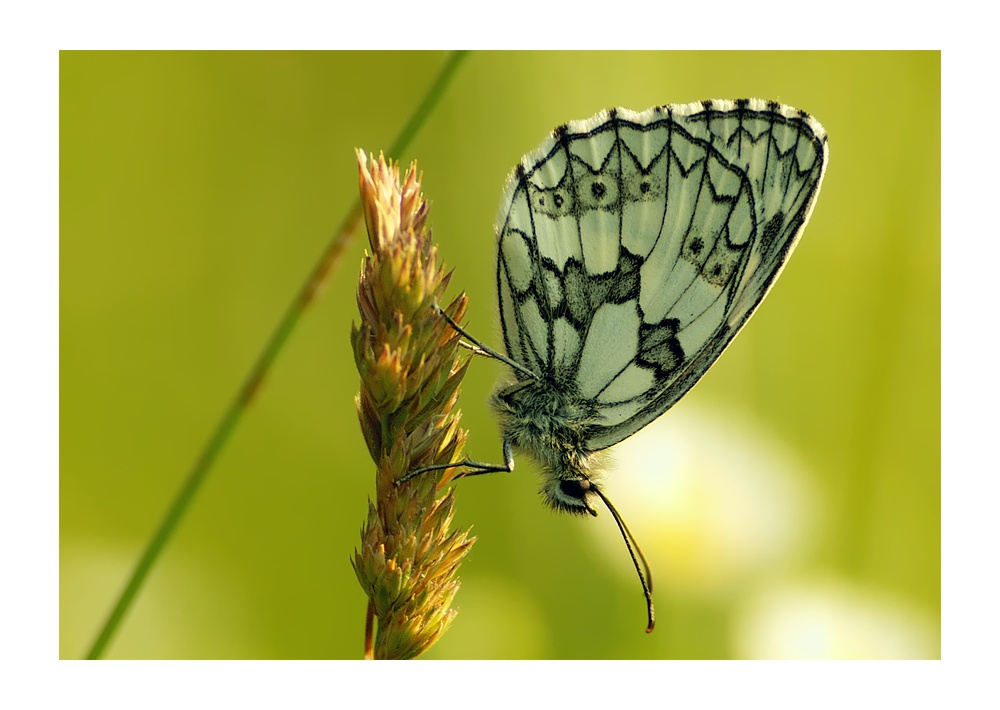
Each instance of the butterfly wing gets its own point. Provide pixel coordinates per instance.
(634, 246)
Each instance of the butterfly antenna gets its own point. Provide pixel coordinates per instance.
(645, 577)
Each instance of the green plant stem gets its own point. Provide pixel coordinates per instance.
(251, 384)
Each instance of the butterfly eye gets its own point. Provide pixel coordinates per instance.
(575, 487)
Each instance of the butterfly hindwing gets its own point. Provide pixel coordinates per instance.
(634, 246)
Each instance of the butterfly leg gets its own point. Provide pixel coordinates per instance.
(474, 349)
(475, 468)
(480, 349)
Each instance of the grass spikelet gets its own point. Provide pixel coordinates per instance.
(408, 360)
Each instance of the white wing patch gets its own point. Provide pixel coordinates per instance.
(633, 382)
(634, 246)
(612, 342)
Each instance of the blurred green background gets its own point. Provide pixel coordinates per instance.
(792, 508)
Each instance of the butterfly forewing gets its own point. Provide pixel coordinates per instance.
(634, 246)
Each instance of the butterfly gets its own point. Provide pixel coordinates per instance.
(632, 248)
